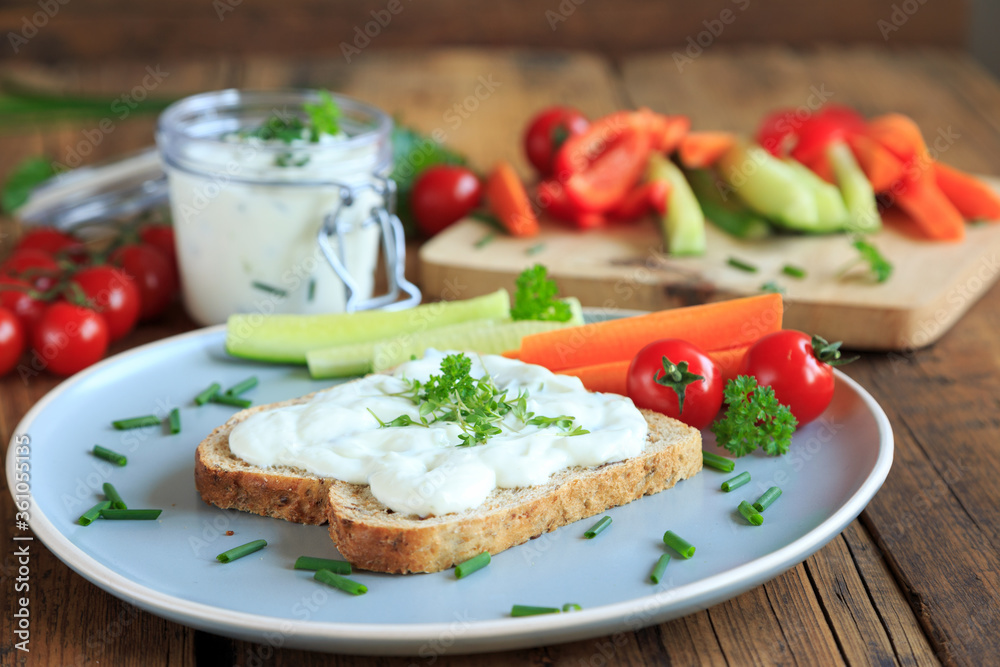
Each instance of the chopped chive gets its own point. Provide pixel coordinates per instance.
(242, 386)
(765, 500)
(136, 422)
(660, 568)
(270, 289)
(717, 462)
(736, 482)
(241, 551)
(750, 514)
(111, 493)
(474, 564)
(235, 401)
(535, 249)
(130, 515)
(773, 287)
(486, 240)
(343, 583)
(741, 265)
(311, 296)
(91, 515)
(572, 606)
(108, 455)
(528, 610)
(208, 394)
(311, 563)
(678, 544)
(793, 271)
(598, 528)
(175, 421)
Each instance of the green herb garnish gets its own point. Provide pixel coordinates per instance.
(475, 404)
(25, 177)
(741, 265)
(754, 418)
(535, 297)
(324, 116)
(772, 287)
(879, 266)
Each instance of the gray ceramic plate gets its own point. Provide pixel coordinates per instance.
(168, 566)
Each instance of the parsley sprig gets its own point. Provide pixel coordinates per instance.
(878, 265)
(535, 297)
(475, 404)
(324, 118)
(754, 418)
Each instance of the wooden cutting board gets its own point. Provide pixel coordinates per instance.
(623, 267)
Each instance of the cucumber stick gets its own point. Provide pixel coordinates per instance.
(831, 213)
(683, 224)
(768, 185)
(729, 214)
(856, 189)
(287, 338)
(484, 336)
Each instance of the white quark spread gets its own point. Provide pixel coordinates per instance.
(422, 470)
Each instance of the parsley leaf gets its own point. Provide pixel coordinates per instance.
(535, 298)
(23, 179)
(754, 418)
(880, 267)
(324, 116)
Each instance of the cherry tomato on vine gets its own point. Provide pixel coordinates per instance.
(799, 368)
(152, 273)
(18, 296)
(546, 133)
(34, 265)
(114, 295)
(443, 194)
(69, 338)
(678, 379)
(12, 340)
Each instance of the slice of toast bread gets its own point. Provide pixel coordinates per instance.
(373, 537)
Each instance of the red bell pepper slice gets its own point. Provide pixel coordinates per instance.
(640, 200)
(605, 181)
(553, 200)
(831, 123)
(778, 131)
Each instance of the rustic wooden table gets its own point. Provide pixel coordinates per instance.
(916, 580)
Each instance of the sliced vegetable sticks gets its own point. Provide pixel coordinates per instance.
(935, 216)
(974, 199)
(713, 326)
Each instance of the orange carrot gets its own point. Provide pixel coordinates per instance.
(720, 325)
(880, 165)
(699, 150)
(511, 354)
(508, 199)
(935, 216)
(611, 377)
(974, 199)
(899, 134)
(666, 132)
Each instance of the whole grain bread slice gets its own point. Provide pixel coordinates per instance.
(373, 537)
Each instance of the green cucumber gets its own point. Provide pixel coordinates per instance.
(729, 214)
(683, 224)
(287, 338)
(360, 358)
(856, 189)
(831, 212)
(767, 185)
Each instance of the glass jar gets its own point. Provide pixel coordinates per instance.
(275, 227)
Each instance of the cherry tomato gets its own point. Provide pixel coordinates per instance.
(153, 275)
(16, 296)
(442, 195)
(48, 240)
(34, 265)
(12, 340)
(161, 237)
(114, 295)
(69, 338)
(546, 133)
(798, 367)
(665, 370)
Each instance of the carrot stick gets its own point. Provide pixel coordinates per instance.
(880, 165)
(508, 199)
(611, 377)
(935, 216)
(720, 325)
(699, 150)
(666, 132)
(899, 134)
(974, 199)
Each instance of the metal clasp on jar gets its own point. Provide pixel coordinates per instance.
(393, 248)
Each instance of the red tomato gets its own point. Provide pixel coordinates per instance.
(36, 266)
(546, 133)
(69, 338)
(798, 367)
(665, 370)
(16, 296)
(443, 194)
(114, 295)
(153, 275)
(161, 237)
(48, 240)
(12, 340)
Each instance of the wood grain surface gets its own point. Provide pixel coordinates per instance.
(914, 582)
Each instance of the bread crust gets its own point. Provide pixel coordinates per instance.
(372, 537)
